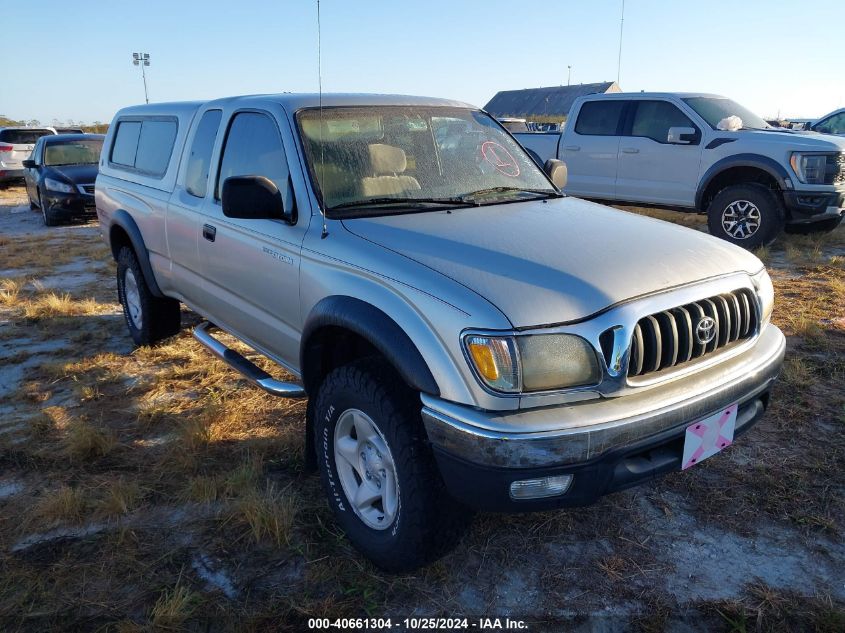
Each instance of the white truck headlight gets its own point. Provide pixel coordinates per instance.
(57, 185)
(810, 168)
(540, 362)
(766, 293)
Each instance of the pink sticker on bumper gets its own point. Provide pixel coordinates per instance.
(708, 436)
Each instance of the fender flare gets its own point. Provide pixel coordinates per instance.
(763, 163)
(377, 328)
(123, 220)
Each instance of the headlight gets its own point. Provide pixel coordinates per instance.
(540, 362)
(57, 185)
(766, 292)
(810, 168)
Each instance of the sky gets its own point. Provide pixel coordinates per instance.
(777, 58)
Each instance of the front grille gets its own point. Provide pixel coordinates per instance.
(835, 172)
(89, 189)
(669, 338)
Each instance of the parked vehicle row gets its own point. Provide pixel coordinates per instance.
(467, 336)
(60, 175)
(700, 152)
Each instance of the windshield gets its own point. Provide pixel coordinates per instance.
(72, 153)
(393, 159)
(22, 137)
(715, 109)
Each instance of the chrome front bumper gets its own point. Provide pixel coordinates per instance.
(573, 434)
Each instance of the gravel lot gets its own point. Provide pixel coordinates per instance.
(146, 489)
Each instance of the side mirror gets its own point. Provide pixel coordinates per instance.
(681, 135)
(556, 170)
(28, 163)
(253, 198)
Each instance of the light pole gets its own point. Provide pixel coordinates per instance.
(621, 27)
(142, 59)
(568, 74)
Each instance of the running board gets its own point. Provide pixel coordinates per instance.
(247, 368)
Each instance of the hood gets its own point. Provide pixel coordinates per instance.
(77, 174)
(558, 261)
(796, 139)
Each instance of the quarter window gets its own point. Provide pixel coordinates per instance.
(126, 143)
(196, 175)
(652, 119)
(599, 118)
(254, 148)
(144, 145)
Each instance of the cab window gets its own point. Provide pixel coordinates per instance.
(253, 147)
(199, 161)
(599, 118)
(652, 119)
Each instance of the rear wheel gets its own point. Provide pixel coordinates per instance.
(378, 472)
(149, 318)
(748, 215)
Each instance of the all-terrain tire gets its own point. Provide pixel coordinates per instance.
(428, 522)
(763, 218)
(149, 318)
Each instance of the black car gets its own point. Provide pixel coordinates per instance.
(60, 175)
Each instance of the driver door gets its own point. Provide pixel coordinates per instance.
(250, 267)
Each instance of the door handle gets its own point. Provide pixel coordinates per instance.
(572, 148)
(209, 232)
(630, 150)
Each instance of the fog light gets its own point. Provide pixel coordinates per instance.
(539, 488)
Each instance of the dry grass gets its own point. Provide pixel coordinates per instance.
(176, 458)
(122, 496)
(173, 607)
(86, 442)
(64, 505)
(268, 514)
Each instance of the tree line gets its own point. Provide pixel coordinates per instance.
(97, 127)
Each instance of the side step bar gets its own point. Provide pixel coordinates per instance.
(250, 371)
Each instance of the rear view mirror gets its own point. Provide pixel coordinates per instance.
(28, 164)
(253, 198)
(681, 135)
(556, 170)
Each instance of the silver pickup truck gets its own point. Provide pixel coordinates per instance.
(701, 152)
(468, 337)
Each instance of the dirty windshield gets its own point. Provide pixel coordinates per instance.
(384, 160)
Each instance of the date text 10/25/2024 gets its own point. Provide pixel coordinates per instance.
(418, 624)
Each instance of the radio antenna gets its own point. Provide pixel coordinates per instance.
(322, 178)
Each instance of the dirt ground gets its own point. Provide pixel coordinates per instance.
(152, 489)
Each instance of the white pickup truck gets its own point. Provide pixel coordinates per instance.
(701, 152)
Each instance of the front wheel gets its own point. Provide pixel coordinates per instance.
(46, 212)
(149, 318)
(748, 215)
(378, 472)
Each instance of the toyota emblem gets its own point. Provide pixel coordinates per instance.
(705, 331)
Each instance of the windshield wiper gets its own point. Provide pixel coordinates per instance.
(404, 202)
(483, 192)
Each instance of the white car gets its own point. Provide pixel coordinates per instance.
(16, 145)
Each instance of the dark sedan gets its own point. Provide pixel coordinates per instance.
(60, 175)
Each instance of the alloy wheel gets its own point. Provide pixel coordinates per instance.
(741, 219)
(366, 469)
(132, 297)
